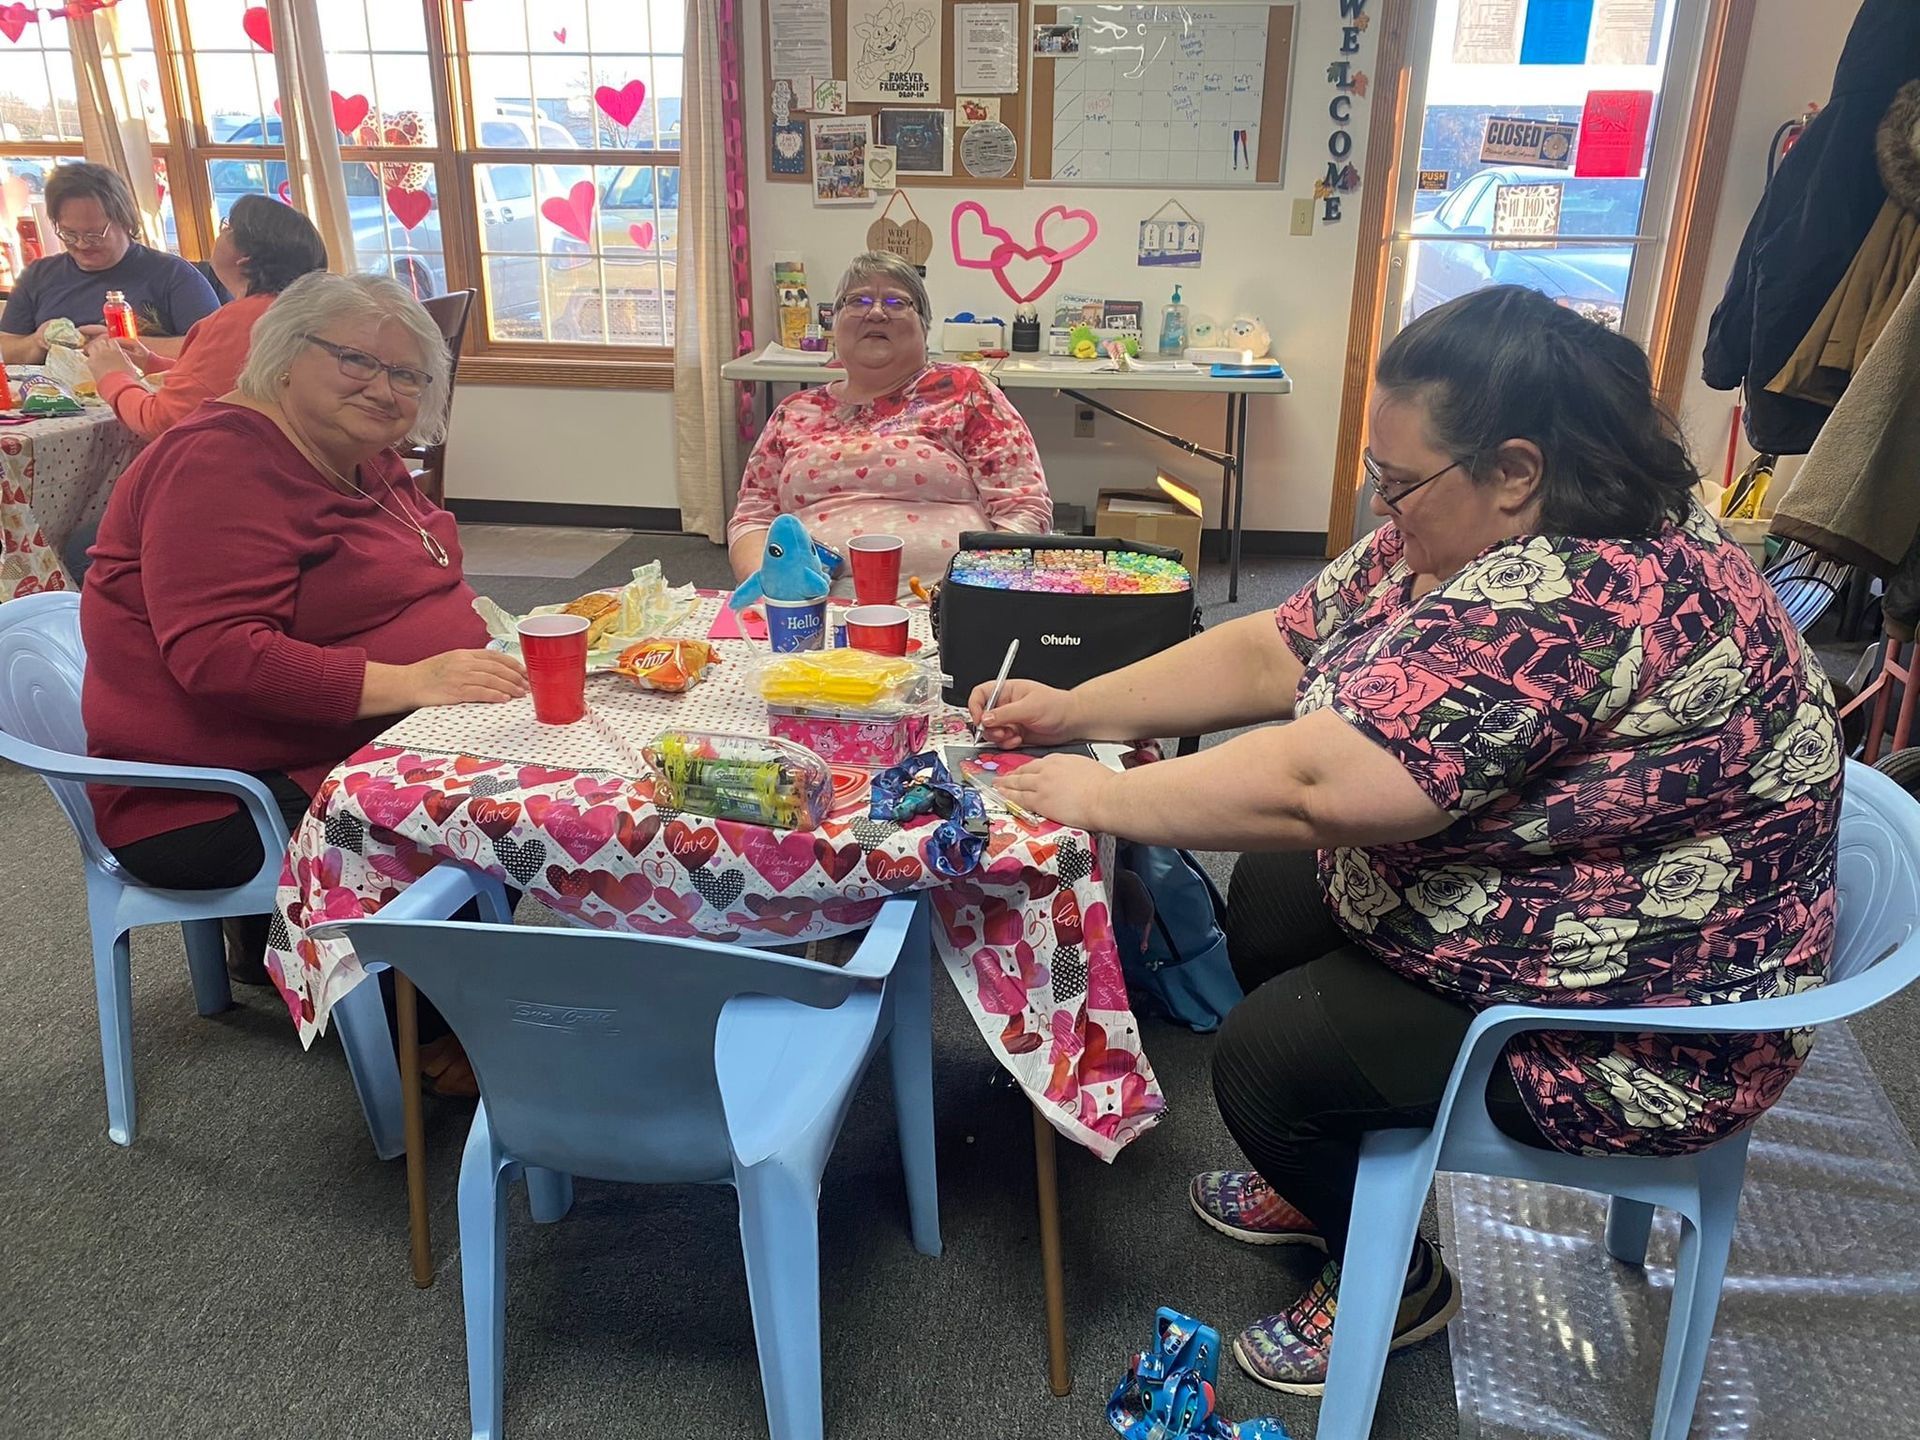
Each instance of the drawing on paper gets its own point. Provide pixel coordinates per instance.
(898, 50)
(1160, 93)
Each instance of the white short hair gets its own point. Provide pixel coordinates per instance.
(316, 301)
(884, 265)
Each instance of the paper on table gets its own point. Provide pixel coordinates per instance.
(800, 39)
(986, 43)
(779, 354)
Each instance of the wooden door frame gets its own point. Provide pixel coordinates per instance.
(1716, 97)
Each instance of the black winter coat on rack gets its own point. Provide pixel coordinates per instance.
(1820, 206)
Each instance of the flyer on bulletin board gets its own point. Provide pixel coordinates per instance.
(800, 38)
(840, 160)
(986, 49)
(893, 50)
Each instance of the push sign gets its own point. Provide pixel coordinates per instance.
(1513, 141)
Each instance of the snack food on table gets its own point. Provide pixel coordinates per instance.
(601, 610)
(667, 664)
(741, 777)
(44, 397)
(64, 332)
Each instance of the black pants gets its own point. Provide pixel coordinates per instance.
(1328, 1044)
(215, 854)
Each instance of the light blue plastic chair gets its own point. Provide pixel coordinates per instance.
(632, 1058)
(1875, 956)
(42, 661)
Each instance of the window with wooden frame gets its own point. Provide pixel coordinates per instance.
(528, 149)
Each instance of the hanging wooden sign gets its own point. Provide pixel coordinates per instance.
(912, 240)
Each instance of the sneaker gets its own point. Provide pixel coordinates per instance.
(1239, 1203)
(1289, 1351)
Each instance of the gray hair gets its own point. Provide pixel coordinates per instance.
(315, 301)
(884, 265)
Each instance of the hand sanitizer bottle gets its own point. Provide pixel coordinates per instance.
(1173, 328)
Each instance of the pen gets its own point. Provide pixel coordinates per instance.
(993, 695)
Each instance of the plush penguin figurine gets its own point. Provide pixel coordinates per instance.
(790, 570)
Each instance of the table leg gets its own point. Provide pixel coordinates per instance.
(1229, 484)
(406, 1015)
(1059, 1374)
(1237, 447)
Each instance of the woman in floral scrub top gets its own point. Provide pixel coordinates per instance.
(1554, 743)
(899, 447)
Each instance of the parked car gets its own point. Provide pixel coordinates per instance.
(1589, 278)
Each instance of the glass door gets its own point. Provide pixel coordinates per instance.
(1548, 135)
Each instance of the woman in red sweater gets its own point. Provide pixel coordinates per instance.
(263, 248)
(269, 587)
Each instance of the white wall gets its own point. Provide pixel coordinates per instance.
(598, 447)
(1796, 44)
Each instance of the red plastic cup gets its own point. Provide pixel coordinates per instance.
(881, 629)
(554, 648)
(876, 568)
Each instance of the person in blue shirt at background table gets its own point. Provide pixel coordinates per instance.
(96, 219)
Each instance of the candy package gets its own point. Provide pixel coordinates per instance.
(42, 397)
(847, 682)
(741, 777)
(667, 664)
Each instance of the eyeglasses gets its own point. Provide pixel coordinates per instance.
(358, 365)
(1379, 480)
(888, 305)
(71, 238)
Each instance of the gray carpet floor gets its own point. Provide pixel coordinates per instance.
(242, 1268)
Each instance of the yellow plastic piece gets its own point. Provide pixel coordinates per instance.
(837, 679)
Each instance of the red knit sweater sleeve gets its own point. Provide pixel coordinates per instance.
(220, 612)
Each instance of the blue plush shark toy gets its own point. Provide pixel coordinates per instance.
(790, 570)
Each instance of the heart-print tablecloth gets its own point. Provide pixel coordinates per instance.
(567, 814)
(55, 476)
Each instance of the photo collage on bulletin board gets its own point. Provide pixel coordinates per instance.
(932, 89)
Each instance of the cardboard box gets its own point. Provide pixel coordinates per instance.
(1172, 526)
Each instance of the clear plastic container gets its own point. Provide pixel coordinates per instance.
(749, 778)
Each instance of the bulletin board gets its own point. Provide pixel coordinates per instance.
(1012, 107)
(1190, 95)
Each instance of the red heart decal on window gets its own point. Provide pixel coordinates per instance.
(409, 207)
(349, 111)
(259, 27)
(14, 20)
(285, 192)
(574, 214)
(623, 104)
(642, 234)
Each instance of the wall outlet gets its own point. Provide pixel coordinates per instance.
(1302, 218)
(1083, 422)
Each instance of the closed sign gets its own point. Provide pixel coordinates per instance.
(1509, 140)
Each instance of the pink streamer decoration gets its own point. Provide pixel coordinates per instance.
(734, 129)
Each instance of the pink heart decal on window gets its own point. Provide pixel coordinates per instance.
(285, 192)
(409, 207)
(349, 111)
(561, 35)
(14, 20)
(259, 27)
(574, 213)
(623, 104)
(642, 234)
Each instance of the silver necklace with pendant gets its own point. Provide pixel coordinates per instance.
(435, 550)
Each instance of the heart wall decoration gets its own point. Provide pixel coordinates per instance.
(1024, 272)
(573, 212)
(259, 27)
(622, 105)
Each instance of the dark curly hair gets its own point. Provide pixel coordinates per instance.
(1507, 363)
(277, 244)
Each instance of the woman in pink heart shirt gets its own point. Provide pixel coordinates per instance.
(900, 447)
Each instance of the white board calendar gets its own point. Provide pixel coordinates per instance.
(1160, 93)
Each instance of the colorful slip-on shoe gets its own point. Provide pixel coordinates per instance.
(1241, 1204)
(1289, 1351)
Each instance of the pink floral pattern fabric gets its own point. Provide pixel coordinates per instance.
(943, 454)
(1644, 769)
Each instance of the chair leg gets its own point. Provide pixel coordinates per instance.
(910, 1060)
(780, 1237)
(1052, 1271)
(1700, 1268)
(1389, 1190)
(361, 1019)
(483, 1276)
(207, 964)
(1629, 1226)
(113, 992)
(549, 1194)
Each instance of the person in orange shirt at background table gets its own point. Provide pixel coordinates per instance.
(264, 246)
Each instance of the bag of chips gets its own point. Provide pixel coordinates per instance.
(667, 664)
(42, 397)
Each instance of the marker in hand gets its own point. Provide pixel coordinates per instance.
(993, 695)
